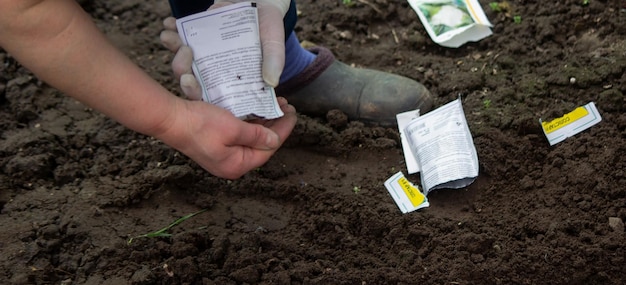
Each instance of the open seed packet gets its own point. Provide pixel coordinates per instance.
(452, 23)
(228, 59)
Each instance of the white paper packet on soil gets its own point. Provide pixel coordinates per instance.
(403, 120)
(227, 60)
(443, 147)
(452, 23)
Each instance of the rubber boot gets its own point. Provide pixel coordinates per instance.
(362, 94)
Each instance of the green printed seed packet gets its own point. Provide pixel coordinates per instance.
(452, 23)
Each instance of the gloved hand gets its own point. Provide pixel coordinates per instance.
(272, 32)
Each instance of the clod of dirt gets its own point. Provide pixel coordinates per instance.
(337, 119)
(616, 224)
(612, 100)
(142, 276)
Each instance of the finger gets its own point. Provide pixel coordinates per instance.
(255, 157)
(190, 86)
(171, 40)
(170, 24)
(256, 137)
(284, 125)
(244, 160)
(281, 101)
(272, 33)
(181, 64)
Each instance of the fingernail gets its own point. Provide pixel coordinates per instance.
(187, 80)
(271, 73)
(272, 140)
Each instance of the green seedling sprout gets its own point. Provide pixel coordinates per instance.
(585, 2)
(517, 19)
(348, 3)
(356, 189)
(487, 103)
(505, 8)
(163, 232)
(495, 6)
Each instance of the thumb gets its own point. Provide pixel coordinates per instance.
(272, 33)
(257, 137)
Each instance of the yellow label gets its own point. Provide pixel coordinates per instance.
(471, 10)
(415, 196)
(561, 122)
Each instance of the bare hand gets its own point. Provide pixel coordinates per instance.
(221, 143)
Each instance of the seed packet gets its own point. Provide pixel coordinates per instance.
(571, 123)
(442, 145)
(227, 60)
(452, 23)
(406, 195)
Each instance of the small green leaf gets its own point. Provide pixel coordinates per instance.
(163, 232)
(495, 6)
(487, 103)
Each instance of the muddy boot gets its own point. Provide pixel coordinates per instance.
(362, 94)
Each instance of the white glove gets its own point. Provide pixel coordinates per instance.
(272, 32)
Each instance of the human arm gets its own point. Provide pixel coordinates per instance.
(58, 42)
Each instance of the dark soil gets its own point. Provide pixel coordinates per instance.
(75, 186)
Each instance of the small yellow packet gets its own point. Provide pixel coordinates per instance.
(571, 123)
(406, 195)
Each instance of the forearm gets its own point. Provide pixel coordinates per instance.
(59, 43)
